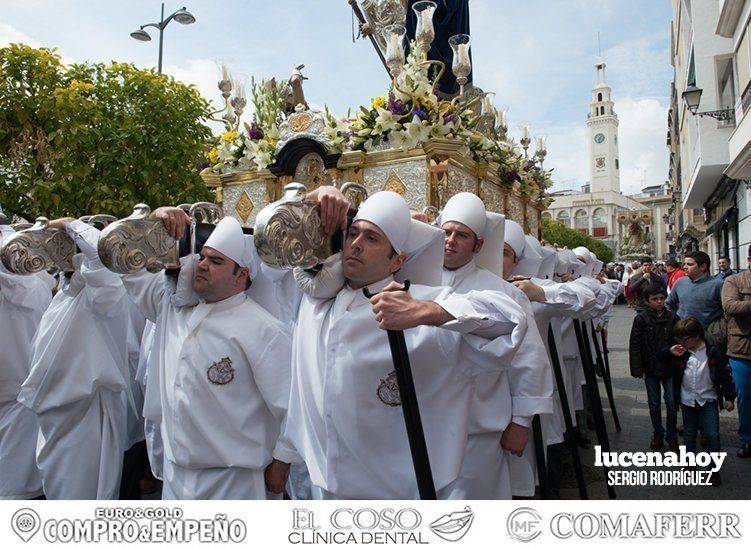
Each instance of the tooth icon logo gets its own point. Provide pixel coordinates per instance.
(453, 526)
(25, 523)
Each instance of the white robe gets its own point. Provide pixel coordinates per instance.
(515, 394)
(219, 426)
(571, 353)
(344, 416)
(23, 300)
(562, 300)
(78, 387)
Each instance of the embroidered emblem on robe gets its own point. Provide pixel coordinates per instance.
(222, 372)
(388, 390)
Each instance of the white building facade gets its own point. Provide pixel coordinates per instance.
(710, 150)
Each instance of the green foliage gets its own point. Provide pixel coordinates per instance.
(556, 233)
(88, 139)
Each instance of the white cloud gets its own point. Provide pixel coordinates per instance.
(10, 35)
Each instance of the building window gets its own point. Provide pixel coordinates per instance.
(581, 221)
(599, 223)
(599, 96)
(564, 218)
(725, 82)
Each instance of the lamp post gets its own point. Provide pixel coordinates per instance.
(692, 97)
(182, 16)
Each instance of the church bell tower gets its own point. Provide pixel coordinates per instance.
(602, 126)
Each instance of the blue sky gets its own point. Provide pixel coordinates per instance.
(537, 55)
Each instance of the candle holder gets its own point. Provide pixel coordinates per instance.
(542, 150)
(394, 35)
(424, 31)
(225, 86)
(501, 127)
(461, 65)
(525, 139)
(239, 101)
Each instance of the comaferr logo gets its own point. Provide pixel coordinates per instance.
(641, 525)
(524, 524)
(453, 526)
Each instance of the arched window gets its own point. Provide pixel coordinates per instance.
(599, 96)
(547, 215)
(599, 223)
(564, 218)
(581, 221)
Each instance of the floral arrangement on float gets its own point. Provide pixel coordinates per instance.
(406, 117)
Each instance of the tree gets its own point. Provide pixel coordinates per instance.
(95, 138)
(557, 233)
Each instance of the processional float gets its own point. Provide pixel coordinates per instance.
(266, 190)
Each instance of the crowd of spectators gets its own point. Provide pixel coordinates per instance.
(691, 343)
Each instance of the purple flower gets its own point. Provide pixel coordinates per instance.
(528, 165)
(255, 132)
(420, 113)
(396, 106)
(510, 174)
(448, 118)
(204, 164)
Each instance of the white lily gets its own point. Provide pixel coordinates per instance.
(385, 121)
(418, 130)
(440, 130)
(262, 160)
(402, 140)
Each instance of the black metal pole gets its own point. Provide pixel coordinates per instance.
(594, 395)
(410, 408)
(567, 419)
(542, 470)
(161, 40)
(361, 19)
(606, 379)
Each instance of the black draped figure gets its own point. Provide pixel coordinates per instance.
(451, 17)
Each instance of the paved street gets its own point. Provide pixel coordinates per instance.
(636, 433)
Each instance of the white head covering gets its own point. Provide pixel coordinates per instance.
(468, 209)
(228, 239)
(531, 257)
(584, 253)
(566, 262)
(514, 237)
(422, 243)
(547, 267)
(596, 264)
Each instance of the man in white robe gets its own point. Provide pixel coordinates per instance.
(504, 402)
(552, 302)
(224, 374)
(345, 414)
(79, 385)
(23, 300)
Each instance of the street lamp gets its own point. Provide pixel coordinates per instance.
(182, 16)
(692, 97)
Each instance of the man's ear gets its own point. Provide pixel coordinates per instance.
(478, 245)
(397, 262)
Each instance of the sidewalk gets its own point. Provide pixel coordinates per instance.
(631, 404)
